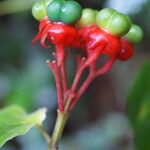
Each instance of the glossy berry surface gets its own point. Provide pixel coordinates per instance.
(46, 3)
(126, 51)
(38, 10)
(104, 16)
(70, 12)
(114, 22)
(135, 34)
(88, 18)
(67, 12)
(54, 10)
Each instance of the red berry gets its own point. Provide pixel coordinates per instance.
(126, 52)
(113, 44)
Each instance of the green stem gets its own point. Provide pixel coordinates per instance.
(67, 104)
(59, 127)
(45, 135)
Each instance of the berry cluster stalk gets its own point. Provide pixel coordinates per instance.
(67, 98)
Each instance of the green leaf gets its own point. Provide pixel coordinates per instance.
(14, 121)
(138, 107)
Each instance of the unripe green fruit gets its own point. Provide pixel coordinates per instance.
(38, 10)
(70, 12)
(54, 9)
(135, 34)
(119, 24)
(88, 18)
(114, 22)
(103, 17)
(96, 12)
(46, 3)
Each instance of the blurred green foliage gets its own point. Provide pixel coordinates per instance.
(25, 85)
(13, 6)
(138, 107)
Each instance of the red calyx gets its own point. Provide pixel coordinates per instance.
(93, 37)
(126, 51)
(57, 33)
(45, 21)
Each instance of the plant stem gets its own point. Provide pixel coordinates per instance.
(45, 135)
(53, 66)
(80, 68)
(59, 127)
(64, 78)
(92, 75)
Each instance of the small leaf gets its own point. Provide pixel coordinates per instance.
(14, 121)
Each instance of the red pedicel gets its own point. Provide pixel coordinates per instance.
(45, 21)
(42, 25)
(126, 52)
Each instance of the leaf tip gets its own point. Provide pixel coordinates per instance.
(41, 115)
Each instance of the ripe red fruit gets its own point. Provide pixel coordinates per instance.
(126, 52)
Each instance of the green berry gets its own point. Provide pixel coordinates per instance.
(88, 18)
(103, 17)
(135, 34)
(70, 12)
(114, 22)
(38, 10)
(46, 3)
(119, 24)
(96, 12)
(54, 9)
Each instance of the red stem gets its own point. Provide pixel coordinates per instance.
(61, 59)
(92, 75)
(82, 64)
(60, 54)
(107, 66)
(80, 68)
(53, 66)
(64, 78)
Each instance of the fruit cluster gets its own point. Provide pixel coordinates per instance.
(65, 24)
